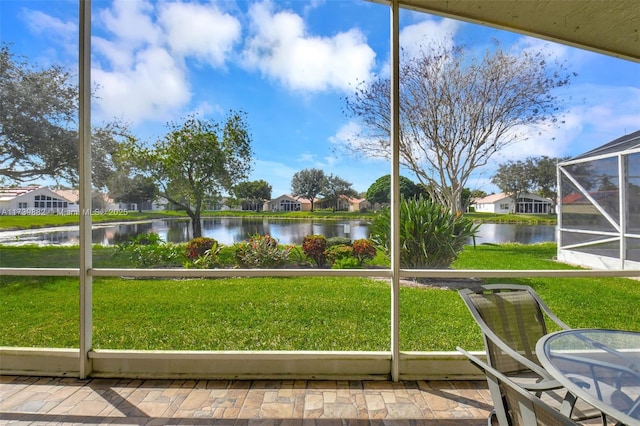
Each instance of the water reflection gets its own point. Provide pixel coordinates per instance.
(232, 230)
(515, 233)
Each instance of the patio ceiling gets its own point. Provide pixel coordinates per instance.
(610, 27)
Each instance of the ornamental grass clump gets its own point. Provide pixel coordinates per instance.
(430, 235)
(261, 251)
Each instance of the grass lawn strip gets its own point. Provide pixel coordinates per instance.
(301, 313)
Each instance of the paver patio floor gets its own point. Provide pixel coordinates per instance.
(62, 401)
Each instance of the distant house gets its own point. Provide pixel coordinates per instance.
(287, 203)
(32, 200)
(502, 204)
(100, 201)
(350, 204)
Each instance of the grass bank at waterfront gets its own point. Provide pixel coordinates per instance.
(302, 313)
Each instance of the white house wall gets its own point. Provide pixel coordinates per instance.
(24, 204)
(506, 205)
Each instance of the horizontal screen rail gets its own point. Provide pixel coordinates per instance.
(369, 273)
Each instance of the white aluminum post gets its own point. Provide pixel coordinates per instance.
(395, 191)
(84, 134)
(622, 199)
(558, 207)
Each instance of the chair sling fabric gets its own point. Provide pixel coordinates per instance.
(515, 317)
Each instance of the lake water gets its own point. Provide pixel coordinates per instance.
(232, 230)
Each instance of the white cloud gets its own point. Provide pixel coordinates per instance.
(41, 23)
(111, 55)
(153, 88)
(131, 23)
(547, 140)
(308, 158)
(609, 112)
(64, 33)
(612, 108)
(139, 65)
(417, 37)
(199, 30)
(550, 49)
(282, 50)
(350, 137)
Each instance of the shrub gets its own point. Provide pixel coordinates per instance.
(198, 247)
(363, 249)
(297, 256)
(208, 260)
(314, 247)
(227, 256)
(150, 251)
(430, 235)
(335, 253)
(346, 263)
(336, 241)
(261, 251)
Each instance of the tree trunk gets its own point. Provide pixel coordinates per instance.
(196, 226)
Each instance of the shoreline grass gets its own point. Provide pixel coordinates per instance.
(301, 313)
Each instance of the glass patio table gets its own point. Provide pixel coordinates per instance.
(599, 366)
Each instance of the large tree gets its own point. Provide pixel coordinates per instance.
(335, 187)
(38, 111)
(197, 159)
(38, 125)
(456, 111)
(514, 178)
(138, 189)
(307, 184)
(545, 176)
(253, 193)
(380, 190)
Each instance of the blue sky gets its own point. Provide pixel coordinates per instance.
(289, 65)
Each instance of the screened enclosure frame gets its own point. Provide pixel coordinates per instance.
(599, 207)
(391, 364)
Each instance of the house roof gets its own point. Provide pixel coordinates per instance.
(490, 199)
(298, 199)
(579, 198)
(7, 194)
(71, 195)
(623, 143)
(353, 200)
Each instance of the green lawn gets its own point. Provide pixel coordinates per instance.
(52, 220)
(302, 313)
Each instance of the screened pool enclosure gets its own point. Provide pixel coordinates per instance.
(599, 206)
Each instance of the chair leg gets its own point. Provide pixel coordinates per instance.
(567, 404)
(493, 419)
